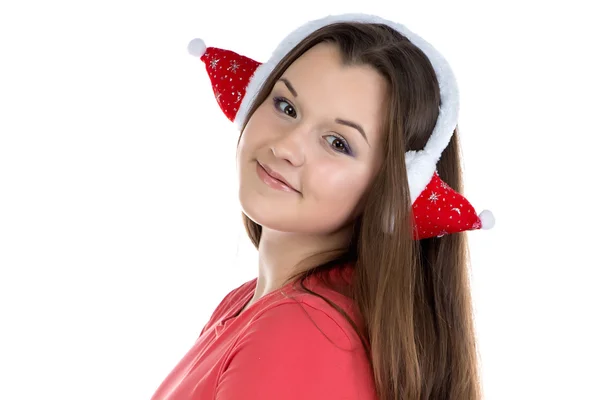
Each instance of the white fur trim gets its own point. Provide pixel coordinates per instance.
(487, 219)
(256, 82)
(420, 164)
(197, 47)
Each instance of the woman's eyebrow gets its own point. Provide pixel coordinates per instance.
(289, 86)
(353, 125)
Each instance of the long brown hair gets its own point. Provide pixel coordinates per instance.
(414, 296)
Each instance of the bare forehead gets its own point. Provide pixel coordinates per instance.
(321, 53)
(323, 65)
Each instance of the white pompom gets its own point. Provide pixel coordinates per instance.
(487, 219)
(197, 47)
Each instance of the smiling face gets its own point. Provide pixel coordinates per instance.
(319, 130)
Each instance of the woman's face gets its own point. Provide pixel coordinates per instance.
(319, 129)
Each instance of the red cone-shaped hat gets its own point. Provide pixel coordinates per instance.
(229, 74)
(439, 210)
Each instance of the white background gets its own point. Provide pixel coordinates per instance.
(120, 230)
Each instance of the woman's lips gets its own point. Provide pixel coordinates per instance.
(272, 181)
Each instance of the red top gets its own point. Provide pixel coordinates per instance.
(288, 345)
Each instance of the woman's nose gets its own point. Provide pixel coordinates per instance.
(291, 146)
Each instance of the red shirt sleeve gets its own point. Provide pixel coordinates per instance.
(295, 351)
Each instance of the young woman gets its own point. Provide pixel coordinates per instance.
(349, 182)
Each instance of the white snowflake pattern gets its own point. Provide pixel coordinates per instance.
(213, 63)
(433, 197)
(239, 97)
(444, 185)
(233, 67)
(218, 96)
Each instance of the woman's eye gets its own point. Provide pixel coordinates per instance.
(339, 144)
(285, 107)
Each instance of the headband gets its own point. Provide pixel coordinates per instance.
(438, 210)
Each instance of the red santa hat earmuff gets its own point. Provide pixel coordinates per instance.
(438, 210)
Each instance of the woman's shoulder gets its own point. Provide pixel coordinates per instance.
(299, 341)
(229, 302)
(305, 313)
